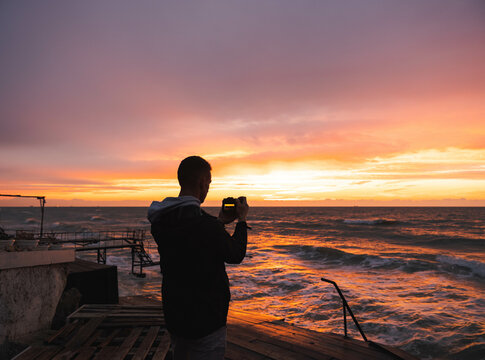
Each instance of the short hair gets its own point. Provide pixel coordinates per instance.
(191, 169)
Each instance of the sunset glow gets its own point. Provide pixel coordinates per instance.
(361, 103)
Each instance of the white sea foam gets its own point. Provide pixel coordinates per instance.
(475, 267)
(97, 218)
(31, 221)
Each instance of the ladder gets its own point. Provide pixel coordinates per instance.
(140, 258)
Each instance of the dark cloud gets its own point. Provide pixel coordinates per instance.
(81, 68)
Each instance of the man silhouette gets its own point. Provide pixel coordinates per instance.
(194, 247)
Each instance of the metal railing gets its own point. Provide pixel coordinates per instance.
(100, 241)
(346, 308)
(130, 236)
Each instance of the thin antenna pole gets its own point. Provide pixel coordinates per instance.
(42, 206)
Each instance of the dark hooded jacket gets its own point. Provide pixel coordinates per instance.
(194, 247)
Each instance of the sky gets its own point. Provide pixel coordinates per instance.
(309, 102)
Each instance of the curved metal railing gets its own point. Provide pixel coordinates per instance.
(346, 308)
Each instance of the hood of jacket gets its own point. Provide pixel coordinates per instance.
(159, 208)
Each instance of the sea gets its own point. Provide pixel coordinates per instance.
(414, 277)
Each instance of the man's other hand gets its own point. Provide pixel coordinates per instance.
(226, 218)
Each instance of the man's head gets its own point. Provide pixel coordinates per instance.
(194, 176)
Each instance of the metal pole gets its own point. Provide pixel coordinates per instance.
(132, 260)
(42, 205)
(345, 320)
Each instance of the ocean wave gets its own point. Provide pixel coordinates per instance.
(31, 221)
(370, 222)
(407, 263)
(97, 218)
(443, 242)
(460, 265)
(333, 256)
(304, 224)
(120, 261)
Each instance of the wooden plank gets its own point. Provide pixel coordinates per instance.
(126, 346)
(114, 315)
(157, 311)
(108, 352)
(38, 352)
(140, 321)
(145, 346)
(360, 348)
(339, 348)
(83, 316)
(400, 353)
(282, 329)
(132, 320)
(29, 354)
(129, 325)
(117, 306)
(236, 352)
(84, 332)
(79, 310)
(283, 343)
(267, 348)
(95, 336)
(163, 347)
(49, 352)
(140, 318)
(86, 352)
(110, 336)
(64, 354)
(62, 333)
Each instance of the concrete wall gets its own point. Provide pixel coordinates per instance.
(28, 298)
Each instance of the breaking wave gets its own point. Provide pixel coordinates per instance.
(460, 265)
(31, 221)
(406, 262)
(97, 218)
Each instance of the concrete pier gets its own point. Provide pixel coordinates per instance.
(31, 283)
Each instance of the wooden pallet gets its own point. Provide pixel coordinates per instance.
(138, 332)
(107, 332)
